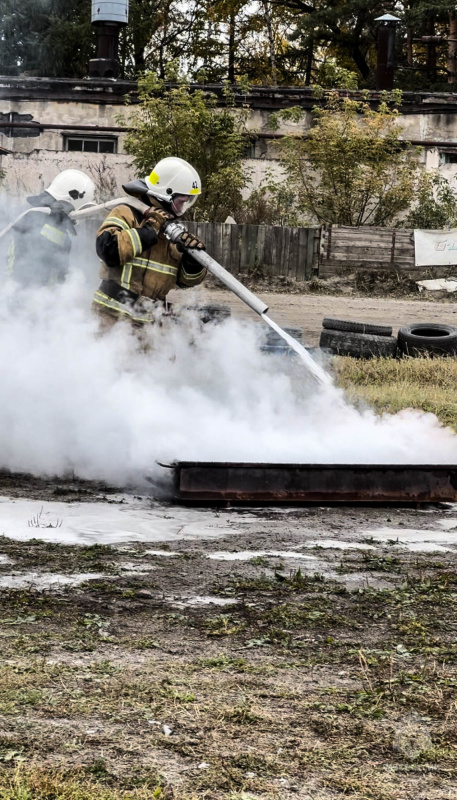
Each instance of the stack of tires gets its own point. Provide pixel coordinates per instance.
(365, 340)
(357, 339)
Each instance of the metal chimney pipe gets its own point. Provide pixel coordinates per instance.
(108, 17)
(385, 66)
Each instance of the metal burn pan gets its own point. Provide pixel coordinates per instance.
(200, 481)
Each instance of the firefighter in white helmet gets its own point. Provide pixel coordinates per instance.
(139, 265)
(39, 254)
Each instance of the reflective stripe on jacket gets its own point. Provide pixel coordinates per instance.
(131, 311)
(151, 273)
(39, 254)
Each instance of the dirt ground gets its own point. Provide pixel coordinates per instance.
(242, 654)
(268, 653)
(307, 310)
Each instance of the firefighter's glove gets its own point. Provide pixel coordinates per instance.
(187, 241)
(148, 236)
(157, 218)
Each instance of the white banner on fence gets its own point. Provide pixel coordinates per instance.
(435, 248)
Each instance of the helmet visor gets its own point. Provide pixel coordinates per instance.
(181, 203)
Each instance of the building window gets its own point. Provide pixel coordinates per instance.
(91, 144)
(448, 156)
(250, 149)
(255, 147)
(18, 127)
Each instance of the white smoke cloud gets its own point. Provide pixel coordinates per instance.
(103, 408)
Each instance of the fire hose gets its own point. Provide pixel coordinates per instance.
(173, 230)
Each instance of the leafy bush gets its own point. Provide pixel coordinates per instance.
(436, 205)
(178, 121)
(350, 168)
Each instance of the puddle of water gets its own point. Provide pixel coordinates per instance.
(164, 553)
(426, 541)
(448, 525)
(134, 568)
(46, 580)
(6, 560)
(338, 545)
(427, 547)
(202, 600)
(108, 523)
(246, 555)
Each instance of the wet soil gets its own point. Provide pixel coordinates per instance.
(67, 488)
(323, 664)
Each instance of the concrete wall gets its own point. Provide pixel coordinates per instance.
(30, 173)
(68, 113)
(35, 160)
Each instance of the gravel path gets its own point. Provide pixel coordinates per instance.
(307, 311)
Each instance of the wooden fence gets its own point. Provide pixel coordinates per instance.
(365, 247)
(297, 253)
(272, 249)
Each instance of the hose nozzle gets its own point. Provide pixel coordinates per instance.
(173, 230)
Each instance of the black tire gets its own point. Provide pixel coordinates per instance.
(214, 313)
(274, 339)
(358, 345)
(276, 350)
(427, 338)
(356, 327)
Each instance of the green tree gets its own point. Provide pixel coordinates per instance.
(330, 76)
(229, 40)
(55, 38)
(179, 122)
(46, 37)
(350, 168)
(429, 64)
(341, 29)
(159, 32)
(346, 30)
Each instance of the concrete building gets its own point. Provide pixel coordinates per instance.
(47, 125)
(50, 125)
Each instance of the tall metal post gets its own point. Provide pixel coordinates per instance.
(385, 66)
(108, 17)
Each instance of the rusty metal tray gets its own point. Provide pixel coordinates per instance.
(201, 481)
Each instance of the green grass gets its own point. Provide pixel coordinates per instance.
(390, 385)
(89, 783)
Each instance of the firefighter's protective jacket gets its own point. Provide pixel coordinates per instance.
(130, 273)
(39, 253)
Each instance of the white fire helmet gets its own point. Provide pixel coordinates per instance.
(174, 181)
(72, 186)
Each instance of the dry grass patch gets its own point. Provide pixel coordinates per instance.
(390, 385)
(52, 784)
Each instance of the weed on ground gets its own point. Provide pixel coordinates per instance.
(300, 688)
